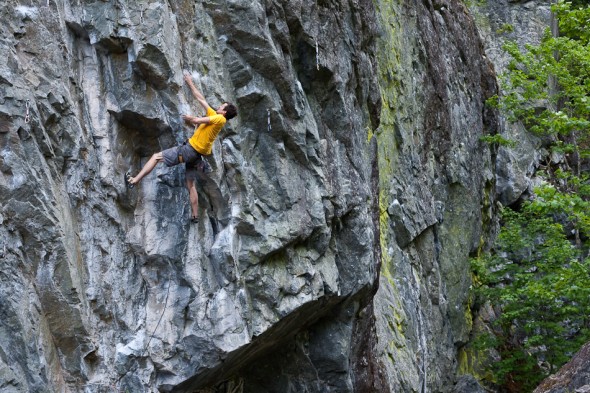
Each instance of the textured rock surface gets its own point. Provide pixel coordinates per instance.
(437, 188)
(523, 22)
(107, 289)
(573, 377)
(468, 384)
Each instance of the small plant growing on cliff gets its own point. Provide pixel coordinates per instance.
(497, 140)
(475, 3)
(505, 28)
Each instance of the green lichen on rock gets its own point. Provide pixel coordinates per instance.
(433, 174)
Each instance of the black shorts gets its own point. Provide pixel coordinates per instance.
(195, 161)
(179, 154)
(198, 169)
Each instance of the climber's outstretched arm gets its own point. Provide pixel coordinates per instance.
(194, 120)
(196, 93)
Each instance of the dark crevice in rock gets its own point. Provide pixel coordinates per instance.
(114, 44)
(78, 30)
(262, 345)
(145, 136)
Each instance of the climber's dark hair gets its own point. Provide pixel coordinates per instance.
(230, 111)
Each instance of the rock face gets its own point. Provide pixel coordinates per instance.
(437, 188)
(573, 377)
(525, 23)
(107, 289)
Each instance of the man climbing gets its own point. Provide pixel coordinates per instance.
(192, 151)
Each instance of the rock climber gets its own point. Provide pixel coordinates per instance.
(194, 149)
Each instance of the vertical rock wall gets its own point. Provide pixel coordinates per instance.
(106, 289)
(436, 187)
(109, 289)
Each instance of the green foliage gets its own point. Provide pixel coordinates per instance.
(475, 3)
(537, 275)
(497, 139)
(540, 280)
(548, 86)
(505, 28)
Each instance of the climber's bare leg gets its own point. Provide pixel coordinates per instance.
(147, 168)
(193, 196)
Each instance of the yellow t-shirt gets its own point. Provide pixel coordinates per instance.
(204, 136)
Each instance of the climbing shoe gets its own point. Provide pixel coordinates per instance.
(195, 220)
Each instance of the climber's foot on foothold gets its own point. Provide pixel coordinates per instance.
(195, 220)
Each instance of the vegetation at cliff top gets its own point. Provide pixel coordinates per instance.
(537, 275)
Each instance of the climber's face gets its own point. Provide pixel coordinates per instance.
(221, 109)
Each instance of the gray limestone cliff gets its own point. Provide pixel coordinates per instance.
(336, 225)
(110, 289)
(437, 186)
